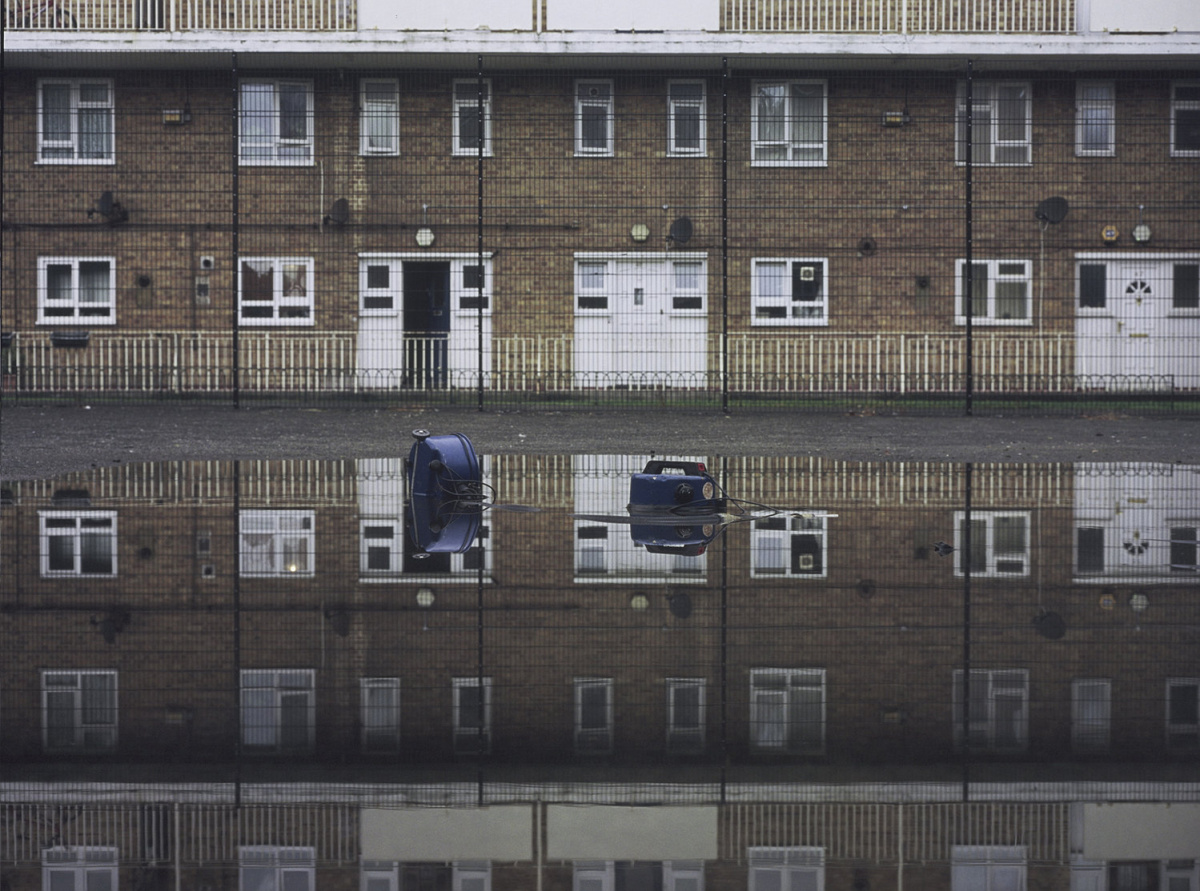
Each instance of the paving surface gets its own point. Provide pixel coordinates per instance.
(37, 441)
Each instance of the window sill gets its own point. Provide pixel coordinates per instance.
(276, 323)
(789, 323)
(823, 163)
(83, 161)
(77, 322)
(995, 323)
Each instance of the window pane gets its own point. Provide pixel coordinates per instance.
(1093, 285)
(468, 707)
(594, 126)
(772, 279)
(593, 707)
(1186, 290)
(257, 878)
(96, 553)
(1010, 113)
(770, 106)
(257, 117)
(297, 880)
(99, 699)
(62, 553)
(1183, 706)
(686, 706)
(257, 280)
(60, 719)
(56, 112)
(1009, 535)
(1090, 549)
(293, 111)
(99, 880)
(687, 127)
(1187, 130)
(1183, 548)
(766, 879)
(806, 113)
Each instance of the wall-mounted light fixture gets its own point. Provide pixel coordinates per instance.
(1141, 232)
(425, 597)
(895, 118)
(640, 232)
(424, 234)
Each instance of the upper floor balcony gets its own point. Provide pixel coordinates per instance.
(878, 17)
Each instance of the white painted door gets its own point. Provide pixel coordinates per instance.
(641, 320)
(1140, 293)
(380, 323)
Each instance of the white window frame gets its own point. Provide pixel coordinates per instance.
(1181, 737)
(272, 523)
(674, 105)
(602, 871)
(593, 740)
(278, 148)
(676, 872)
(979, 867)
(1002, 683)
(790, 141)
(995, 560)
(764, 538)
(380, 722)
(800, 868)
(373, 871)
(686, 740)
(984, 101)
(792, 679)
(994, 278)
(281, 302)
(462, 871)
(80, 861)
(1105, 110)
(466, 106)
(608, 150)
(1178, 105)
(281, 860)
(279, 683)
(75, 300)
(681, 291)
(90, 736)
(394, 548)
(1091, 715)
(77, 533)
(584, 288)
(377, 110)
(77, 104)
(467, 738)
(759, 299)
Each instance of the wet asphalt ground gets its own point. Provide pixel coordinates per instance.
(45, 441)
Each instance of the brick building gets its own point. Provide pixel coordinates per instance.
(328, 198)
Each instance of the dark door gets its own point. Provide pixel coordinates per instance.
(426, 323)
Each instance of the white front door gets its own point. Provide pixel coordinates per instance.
(641, 320)
(380, 324)
(1140, 293)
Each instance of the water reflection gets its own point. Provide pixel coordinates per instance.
(903, 636)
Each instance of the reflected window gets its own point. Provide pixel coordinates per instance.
(685, 715)
(472, 715)
(639, 875)
(788, 547)
(78, 544)
(999, 544)
(1091, 714)
(380, 714)
(379, 875)
(787, 710)
(1183, 713)
(787, 869)
(273, 868)
(79, 868)
(1001, 123)
(1183, 549)
(997, 709)
(593, 715)
(987, 868)
(278, 709)
(277, 542)
(79, 710)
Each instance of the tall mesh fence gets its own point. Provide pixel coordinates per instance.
(604, 233)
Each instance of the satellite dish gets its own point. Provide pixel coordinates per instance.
(1050, 625)
(680, 605)
(105, 204)
(1052, 210)
(681, 230)
(339, 214)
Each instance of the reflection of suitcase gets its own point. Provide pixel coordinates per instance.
(445, 490)
(683, 505)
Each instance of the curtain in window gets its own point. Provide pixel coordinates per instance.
(95, 116)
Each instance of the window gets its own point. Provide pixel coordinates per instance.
(788, 547)
(1093, 286)
(685, 117)
(1001, 125)
(275, 291)
(786, 869)
(471, 875)
(379, 101)
(788, 123)
(1185, 119)
(278, 709)
(77, 290)
(469, 96)
(1091, 713)
(1183, 713)
(687, 284)
(638, 875)
(75, 122)
(380, 714)
(683, 875)
(1149, 875)
(999, 544)
(685, 715)
(998, 709)
(594, 117)
(593, 875)
(379, 875)
(789, 292)
(999, 292)
(787, 710)
(1182, 551)
(987, 868)
(270, 868)
(275, 122)
(1089, 549)
(1095, 116)
(1185, 290)
(79, 869)
(472, 716)
(276, 542)
(593, 715)
(590, 284)
(78, 543)
(79, 710)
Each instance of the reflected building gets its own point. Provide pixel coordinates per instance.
(963, 677)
